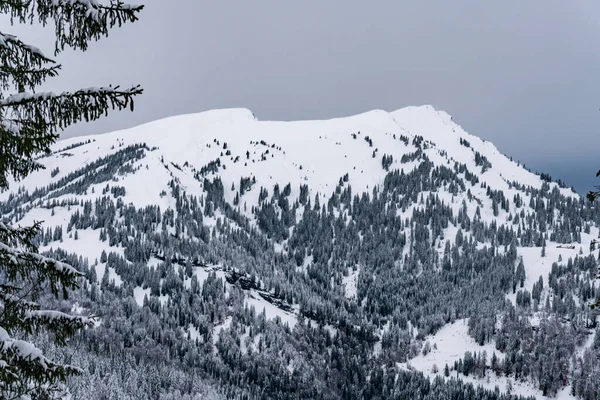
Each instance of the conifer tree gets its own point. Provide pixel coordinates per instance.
(594, 194)
(544, 248)
(30, 123)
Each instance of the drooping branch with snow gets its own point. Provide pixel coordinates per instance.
(77, 22)
(23, 67)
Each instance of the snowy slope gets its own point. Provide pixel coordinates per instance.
(316, 153)
(451, 342)
(313, 153)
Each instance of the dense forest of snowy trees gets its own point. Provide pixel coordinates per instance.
(194, 332)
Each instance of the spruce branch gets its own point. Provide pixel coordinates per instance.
(594, 194)
(76, 21)
(20, 265)
(14, 51)
(62, 110)
(62, 325)
(29, 123)
(23, 66)
(20, 141)
(25, 78)
(20, 236)
(17, 356)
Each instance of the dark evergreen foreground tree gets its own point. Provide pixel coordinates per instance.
(29, 124)
(592, 196)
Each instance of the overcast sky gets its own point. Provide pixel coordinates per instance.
(522, 74)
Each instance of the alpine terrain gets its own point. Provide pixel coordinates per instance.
(386, 255)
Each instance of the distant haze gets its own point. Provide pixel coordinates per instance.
(524, 75)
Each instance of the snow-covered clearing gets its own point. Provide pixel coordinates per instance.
(452, 341)
(350, 283)
(253, 299)
(139, 293)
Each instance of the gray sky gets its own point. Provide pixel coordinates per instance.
(522, 74)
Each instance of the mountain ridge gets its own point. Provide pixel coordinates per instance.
(378, 229)
(188, 137)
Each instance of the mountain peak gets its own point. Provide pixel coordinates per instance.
(316, 153)
(217, 207)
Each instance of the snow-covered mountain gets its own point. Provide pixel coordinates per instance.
(397, 230)
(315, 153)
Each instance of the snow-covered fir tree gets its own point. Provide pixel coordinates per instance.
(29, 124)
